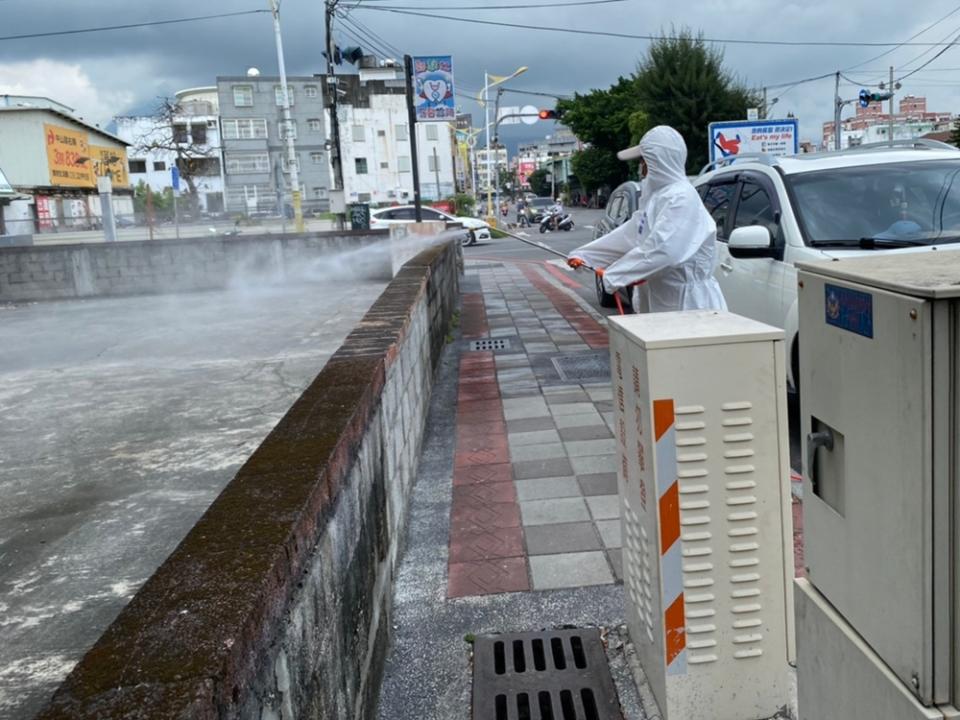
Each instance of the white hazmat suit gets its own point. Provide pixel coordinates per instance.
(670, 242)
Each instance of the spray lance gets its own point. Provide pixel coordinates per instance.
(582, 264)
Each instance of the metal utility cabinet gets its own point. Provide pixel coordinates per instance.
(701, 421)
(879, 377)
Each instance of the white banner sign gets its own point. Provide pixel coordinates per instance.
(770, 137)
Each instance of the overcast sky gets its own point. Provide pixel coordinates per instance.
(117, 72)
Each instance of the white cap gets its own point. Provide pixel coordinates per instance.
(630, 153)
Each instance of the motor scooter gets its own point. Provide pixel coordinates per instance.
(556, 221)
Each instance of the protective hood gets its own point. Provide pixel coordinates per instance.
(665, 153)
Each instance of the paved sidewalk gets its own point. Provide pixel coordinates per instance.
(515, 518)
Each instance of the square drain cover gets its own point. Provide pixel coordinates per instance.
(490, 344)
(576, 368)
(550, 675)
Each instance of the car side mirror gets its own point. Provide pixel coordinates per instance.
(751, 242)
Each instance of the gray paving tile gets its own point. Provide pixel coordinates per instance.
(569, 570)
(599, 393)
(581, 408)
(581, 420)
(540, 348)
(616, 560)
(594, 464)
(555, 467)
(561, 538)
(553, 511)
(591, 432)
(604, 406)
(568, 397)
(519, 391)
(517, 409)
(535, 437)
(610, 533)
(529, 424)
(545, 451)
(599, 484)
(604, 507)
(583, 448)
(547, 488)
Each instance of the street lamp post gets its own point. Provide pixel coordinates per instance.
(287, 123)
(486, 109)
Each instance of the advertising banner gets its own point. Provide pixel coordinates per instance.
(113, 161)
(770, 137)
(68, 157)
(433, 86)
(525, 168)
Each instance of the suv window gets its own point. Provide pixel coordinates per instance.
(717, 200)
(428, 214)
(404, 214)
(623, 210)
(613, 208)
(756, 208)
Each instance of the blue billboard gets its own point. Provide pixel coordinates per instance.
(433, 87)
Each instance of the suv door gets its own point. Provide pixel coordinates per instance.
(719, 197)
(761, 279)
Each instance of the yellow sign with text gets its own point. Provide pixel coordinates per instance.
(112, 161)
(68, 157)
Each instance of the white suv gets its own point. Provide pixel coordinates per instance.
(772, 212)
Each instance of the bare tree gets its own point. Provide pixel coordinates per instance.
(173, 134)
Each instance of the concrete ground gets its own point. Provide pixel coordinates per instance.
(122, 419)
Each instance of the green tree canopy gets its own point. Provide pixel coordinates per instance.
(539, 182)
(597, 167)
(955, 133)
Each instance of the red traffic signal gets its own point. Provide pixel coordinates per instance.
(548, 115)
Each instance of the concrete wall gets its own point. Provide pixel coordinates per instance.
(277, 604)
(53, 272)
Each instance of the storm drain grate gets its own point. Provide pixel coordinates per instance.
(550, 675)
(490, 344)
(577, 368)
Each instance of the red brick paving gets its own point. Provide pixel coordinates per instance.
(592, 332)
(472, 474)
(484, 545)
(487, 577)
(474, 319)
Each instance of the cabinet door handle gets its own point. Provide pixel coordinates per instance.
(727, 266)
(815, 441)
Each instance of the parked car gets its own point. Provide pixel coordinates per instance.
(773, 212)
(477, 230)
(621, 206)
(536, 207)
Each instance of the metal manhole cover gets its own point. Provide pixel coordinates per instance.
(490, 344)
(550, 675)
(576, 368)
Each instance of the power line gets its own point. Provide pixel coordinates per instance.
(629, 36)
(576, 3)
(915, 71)
(556, 96)
(128, 26)
(364, 39)
(912, 37)
(904, 66)
(359, 25)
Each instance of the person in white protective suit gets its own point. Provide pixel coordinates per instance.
(669, 243)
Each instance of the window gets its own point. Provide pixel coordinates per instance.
(243, 95)
(319, 193)
(159, 166)
(615, 208)
(381, 133)
(244, 129)
(402, 132)
(198, 133)
(384, 166)
(403, 164)
(432, 133)
(361, 165)
(404, 214)
(278, 94)
(248, 163)
(137, 166)
(364, 197)
(310, 91)
(314, 126)
(285, 129)
(358, 134)
(755, 208)
(717, 201)
(428, 214)
(287, 164)
(433, 163)
(180, 134)
(316, 158)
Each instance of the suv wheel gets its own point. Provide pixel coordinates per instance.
(604, 299)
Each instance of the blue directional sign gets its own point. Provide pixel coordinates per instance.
(864, 98)
(175, 177)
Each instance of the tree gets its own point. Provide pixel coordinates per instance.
(162, 201)
(539, 182)
(170, 135)
(597, 167)
(955, 133)
(681, 82)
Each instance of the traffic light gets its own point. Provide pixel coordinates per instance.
(867, 97)
(549, 114)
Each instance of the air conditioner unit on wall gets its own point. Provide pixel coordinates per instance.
(701, 424)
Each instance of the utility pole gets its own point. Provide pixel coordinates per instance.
(436, 171)
(890, 124)
(837, 108)
(336, 157)
(287, 123)
(764, 116)
(412, 115)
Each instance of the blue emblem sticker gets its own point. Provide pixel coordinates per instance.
(849, 310)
